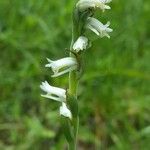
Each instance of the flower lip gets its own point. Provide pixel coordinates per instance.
(52, 92)
(64, 111)
(62, 66)
(80, 44)
(98, 28)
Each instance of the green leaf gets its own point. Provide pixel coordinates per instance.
(73, 105)
(66, 127)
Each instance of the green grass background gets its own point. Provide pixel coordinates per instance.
(114, 93)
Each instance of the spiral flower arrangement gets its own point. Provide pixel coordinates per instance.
(83, 20)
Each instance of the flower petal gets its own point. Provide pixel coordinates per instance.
(64, 111)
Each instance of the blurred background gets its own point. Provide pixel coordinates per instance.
(114, 93)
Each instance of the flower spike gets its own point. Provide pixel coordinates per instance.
(82, 20)
(65, 65)
(55, 93)
(98, 28)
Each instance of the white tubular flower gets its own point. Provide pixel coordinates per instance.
(97, 27)
(85, 4)
(55, 93)
(65, 65)
(64, 111)
(80, 44)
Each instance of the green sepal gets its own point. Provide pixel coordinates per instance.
(79, 21)
(83, 19)
(73, 105)
(67, 129)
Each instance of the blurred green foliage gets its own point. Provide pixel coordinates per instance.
(114, 93)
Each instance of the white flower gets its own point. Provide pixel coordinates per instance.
(62, 66)
(64, 111)
(97, 27)
(55, 93)
(80, 44)
(85, 4)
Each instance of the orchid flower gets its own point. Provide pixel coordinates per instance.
(64, 111)
(98, 28)
(54, 93)
(85, 4)
(80, 44)
(62, 66)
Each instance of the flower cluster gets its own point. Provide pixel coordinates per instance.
(65, 65)
(59, 67)
(91, 23)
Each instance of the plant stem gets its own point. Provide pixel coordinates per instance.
(73, 85)
(72, 146)
(73, 77)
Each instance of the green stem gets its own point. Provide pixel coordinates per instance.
(76, 127)
(73, 76)
(73, 85)
(72, 146)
